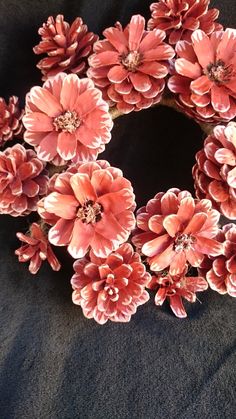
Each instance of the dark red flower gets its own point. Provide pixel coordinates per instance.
(220, 271)
(129, 65)
(23, 181)
(174, 229)
(112, 288)
(215, 170)
(36, 250)
(179, 18)
(174, 288)
(10, 119)
(205, 79)
(67, 46)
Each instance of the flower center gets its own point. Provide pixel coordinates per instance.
(219, 72)
(67, 122)
(110, 288)
(90, 212)
(131, 61)
(183, 242)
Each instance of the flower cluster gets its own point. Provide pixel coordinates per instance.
(111, 288)
(130, 65)
(91, 209)
(182, 57)
(36, 249)
(10, 119)
(67, 46)
(215, 171)
(67, 119)
(23, 181)
(179, 18)
(220, 271)
(205, 75)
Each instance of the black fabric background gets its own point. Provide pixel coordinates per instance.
(54, 362)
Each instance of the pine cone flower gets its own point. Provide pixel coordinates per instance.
(67, 119)
(220, 271)
(174, 229)
(67, 46)
(10, 119)
(22, 181)
(215, 170)
(205, 79)
(129, 66)
(174, 288)
(36, 250)
(179, 18)
(112, 288)
(94, 209)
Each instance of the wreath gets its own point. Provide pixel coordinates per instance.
(176, 244)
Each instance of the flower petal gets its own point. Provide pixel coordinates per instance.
(82, 236)
(203, 48)
(82, 187)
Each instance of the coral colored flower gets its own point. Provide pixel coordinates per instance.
(23, 181)
(206, 75)
(129, 65)
(67, 47)
(174, 288)
(220, 271)
(215, 171)
(36, 250)
(112, 288)
(94, 209)
(10, 119)
(174, 229)
(67, 118)
(179, 18)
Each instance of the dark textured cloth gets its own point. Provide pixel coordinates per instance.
(54, 362)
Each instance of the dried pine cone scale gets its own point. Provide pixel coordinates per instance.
(67, 47)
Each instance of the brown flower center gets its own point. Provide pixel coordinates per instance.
(219, 72)
(67, 122)
(183, 242)
(90, 212)
(131, 61)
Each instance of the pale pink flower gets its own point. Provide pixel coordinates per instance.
(112, 288)
(23, 181)
(36, 249)
(130, 65)
(176, 287)
(94, 209)
(220, 271)
(174, 229)
(206, 75)
(215, 170)
(179, 18)
(67, 119)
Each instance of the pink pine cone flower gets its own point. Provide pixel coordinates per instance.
(67, 46)
(36, 250)
(23, 181)
(206, 75)
(174, 229)
(130, 65)
(179, 18)
(215, 170)
(174, 288)
(94, 209)
(67, 119)
(10, 119)
(220, 271)
(112, 288)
